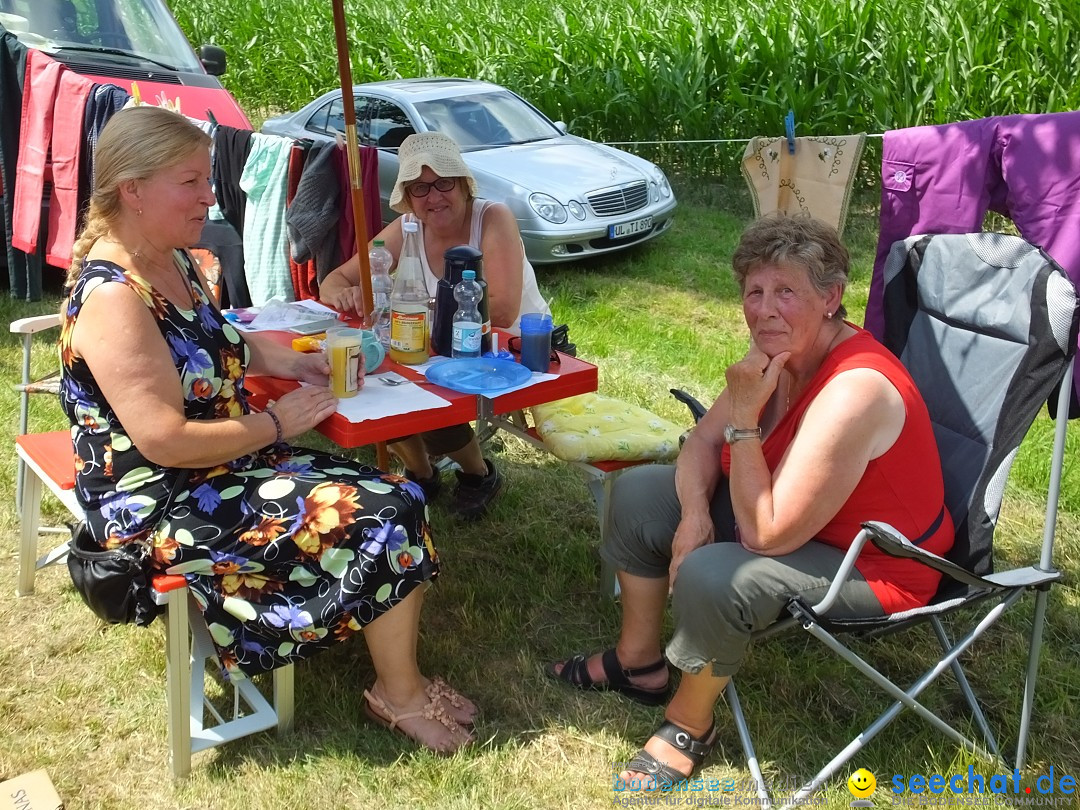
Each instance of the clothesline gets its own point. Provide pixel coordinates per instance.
(713, 140)
(934, 180)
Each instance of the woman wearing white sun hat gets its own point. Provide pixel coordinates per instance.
(436, 189)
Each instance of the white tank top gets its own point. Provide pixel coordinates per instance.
(531, 300)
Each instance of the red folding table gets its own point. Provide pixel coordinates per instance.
(574, 376)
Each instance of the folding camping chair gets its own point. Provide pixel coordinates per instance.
(987, 326)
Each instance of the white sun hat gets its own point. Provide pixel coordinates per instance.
(436, 151)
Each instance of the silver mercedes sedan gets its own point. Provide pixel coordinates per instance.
(572, 197)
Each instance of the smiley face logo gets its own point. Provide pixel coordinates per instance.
(862, 784)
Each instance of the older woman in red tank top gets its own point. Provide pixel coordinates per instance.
(820, 427)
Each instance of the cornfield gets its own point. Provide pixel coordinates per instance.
(681, 70)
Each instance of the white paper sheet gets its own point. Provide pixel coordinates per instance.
(280, 316)
(376, 400)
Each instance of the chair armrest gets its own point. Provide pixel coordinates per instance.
(1030, 577)
(49, 384)
(842, 573)
(893, 543)
(697, 410)
(37, 323)
(890, 541)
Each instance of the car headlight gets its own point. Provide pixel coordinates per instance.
(576, 209)
(654, 191)
(663, 186)
(548, 208)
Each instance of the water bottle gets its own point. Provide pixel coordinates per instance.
(382, 287)
(409, 303)
(456, 261)
(467, 322)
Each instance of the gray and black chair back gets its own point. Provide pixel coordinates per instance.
(984, 323)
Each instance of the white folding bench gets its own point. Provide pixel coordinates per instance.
(47, 461)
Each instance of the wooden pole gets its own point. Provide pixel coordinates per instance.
(355, 178)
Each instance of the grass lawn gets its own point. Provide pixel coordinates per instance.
(519, 589)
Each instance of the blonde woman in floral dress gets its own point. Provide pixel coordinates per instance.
(286, 550)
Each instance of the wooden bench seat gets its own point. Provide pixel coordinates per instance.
(48, 458)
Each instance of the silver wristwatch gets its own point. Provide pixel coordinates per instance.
(733, 434)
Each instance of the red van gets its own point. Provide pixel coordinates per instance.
(122, 42)
(125, 41)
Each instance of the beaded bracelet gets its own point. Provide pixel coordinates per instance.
(277, 426)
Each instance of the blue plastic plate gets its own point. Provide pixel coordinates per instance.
(478, 375)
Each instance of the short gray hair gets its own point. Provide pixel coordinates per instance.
(794, 241)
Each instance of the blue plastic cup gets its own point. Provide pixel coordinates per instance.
(536, 341)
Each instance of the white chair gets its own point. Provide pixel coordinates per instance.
(48, 455)
(45, 459)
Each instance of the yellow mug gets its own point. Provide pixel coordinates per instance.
(345, 356)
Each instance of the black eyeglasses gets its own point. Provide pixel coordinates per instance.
(443, 184)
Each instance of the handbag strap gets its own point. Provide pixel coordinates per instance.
(178, 484)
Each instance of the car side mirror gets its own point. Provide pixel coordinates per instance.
(561, 126)
(213, 59)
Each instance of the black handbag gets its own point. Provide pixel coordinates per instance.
(115, 583)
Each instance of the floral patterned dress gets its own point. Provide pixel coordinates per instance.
(286, 550)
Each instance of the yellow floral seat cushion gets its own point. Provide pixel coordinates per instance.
(592, 427)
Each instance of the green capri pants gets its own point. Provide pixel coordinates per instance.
(723, 592)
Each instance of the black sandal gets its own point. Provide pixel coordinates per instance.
(575, 671)
(663, 776)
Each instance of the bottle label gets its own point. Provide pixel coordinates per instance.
(408, 331)
(466, 337)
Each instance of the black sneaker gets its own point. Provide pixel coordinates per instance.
(475, 492)
(432, 486)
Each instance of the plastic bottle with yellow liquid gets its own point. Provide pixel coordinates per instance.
(409, 303)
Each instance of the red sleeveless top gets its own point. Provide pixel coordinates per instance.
(903, 487)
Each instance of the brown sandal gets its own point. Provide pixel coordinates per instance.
(433, 710)
(438, 689)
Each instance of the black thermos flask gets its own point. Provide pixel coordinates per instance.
(457, 261)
